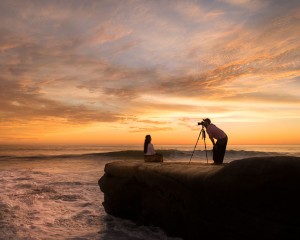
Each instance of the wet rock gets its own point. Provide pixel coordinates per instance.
(245, 199)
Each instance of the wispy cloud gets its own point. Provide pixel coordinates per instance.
(100, 61)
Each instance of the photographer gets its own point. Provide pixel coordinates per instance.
(219, 148)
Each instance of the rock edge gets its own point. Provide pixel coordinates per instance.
(244, 199)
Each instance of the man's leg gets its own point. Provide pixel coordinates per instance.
(222, 149)
(216, 154)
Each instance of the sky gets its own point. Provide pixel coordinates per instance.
(111, 72)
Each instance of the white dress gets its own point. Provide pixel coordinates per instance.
(150, 149)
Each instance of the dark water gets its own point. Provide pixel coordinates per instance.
(53, 193)
(59, 198)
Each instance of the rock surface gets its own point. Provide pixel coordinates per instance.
(253, 198)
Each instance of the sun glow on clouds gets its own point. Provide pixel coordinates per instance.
(114, 71)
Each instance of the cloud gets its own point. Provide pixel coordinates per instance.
(249, 4)
(189, 10)
(16, 103)
(270, 52)
(97, 62)
(108, 32)
(265, 97)
(149, 129)
(197, 11)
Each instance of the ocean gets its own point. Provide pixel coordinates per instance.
(52, 192)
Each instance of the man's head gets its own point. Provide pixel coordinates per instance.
(206, 122)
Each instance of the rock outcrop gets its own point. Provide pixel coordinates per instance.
(253, 198)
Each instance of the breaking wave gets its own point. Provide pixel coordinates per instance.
(169, 155)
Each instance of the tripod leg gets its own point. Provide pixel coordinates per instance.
(205, 151)
(204, 136)
(195, 146)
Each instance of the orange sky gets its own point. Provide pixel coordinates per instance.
(110, 72)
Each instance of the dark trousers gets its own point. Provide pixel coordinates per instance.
(219, 150)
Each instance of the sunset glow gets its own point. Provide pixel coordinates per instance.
(110, 72)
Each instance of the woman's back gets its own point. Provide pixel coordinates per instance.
(150, 149)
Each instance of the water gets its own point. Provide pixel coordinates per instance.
(52, 192)
(172, 152)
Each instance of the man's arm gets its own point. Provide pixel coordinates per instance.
(212, 140)
(208, 130)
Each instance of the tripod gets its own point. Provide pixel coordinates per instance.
(202, 131)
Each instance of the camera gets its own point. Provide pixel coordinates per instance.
(201, 123)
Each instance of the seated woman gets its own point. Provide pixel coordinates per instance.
(149, 153)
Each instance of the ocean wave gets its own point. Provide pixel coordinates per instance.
(171, 154)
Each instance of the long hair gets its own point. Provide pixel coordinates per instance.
(147, 141)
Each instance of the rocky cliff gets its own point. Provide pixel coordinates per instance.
(245, 199)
